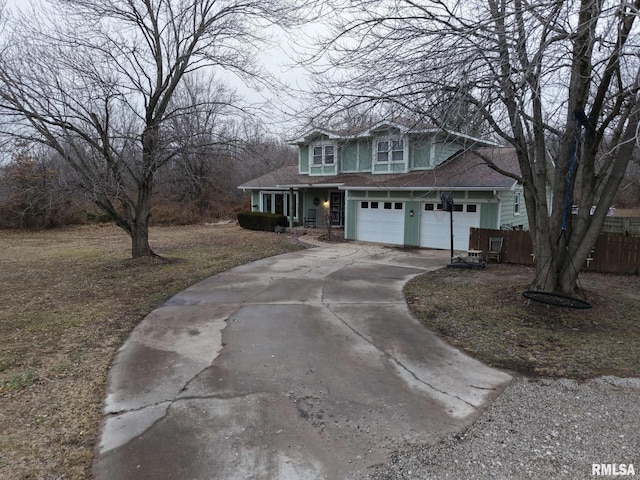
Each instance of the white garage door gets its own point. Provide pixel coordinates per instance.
(381, 222)
(435, 230)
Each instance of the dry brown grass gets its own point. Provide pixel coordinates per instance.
(484, 313)
(68, 299)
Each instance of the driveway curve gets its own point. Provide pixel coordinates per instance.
(307, 365)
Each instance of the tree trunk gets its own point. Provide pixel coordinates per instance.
(134, 221)
(557, 270)
(140, 241)
(140, 223)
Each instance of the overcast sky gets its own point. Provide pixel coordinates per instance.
(279, 59)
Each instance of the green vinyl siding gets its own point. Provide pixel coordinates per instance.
(489, 215)
(381, 168)
(420, 154)
(255, 201)
(323, 169)
(509, 218)
(377, 194)
(349, 157)
(428, 196)
(307, 203)
(487, 196)
(399, 167)
(401, 195)
(412, 224)
(303, 159)
(365, 159)
(350, 219)
(442, 151)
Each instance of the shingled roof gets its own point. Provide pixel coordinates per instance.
(463, 171)
(365, 129)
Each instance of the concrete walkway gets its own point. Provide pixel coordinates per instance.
(307, 365)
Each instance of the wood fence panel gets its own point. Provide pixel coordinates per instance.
(611, 254)
(615, 254)
(516, 246)
(622, 225)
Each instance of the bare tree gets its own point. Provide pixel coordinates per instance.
(198, 176)
(96, 79)
(220, 148)
(554, 79)
(629, 194)
(261, 154)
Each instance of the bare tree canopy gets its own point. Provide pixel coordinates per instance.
(104, 83)
(558, 80)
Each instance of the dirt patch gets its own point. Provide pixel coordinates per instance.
(484, 313)
(334, 238)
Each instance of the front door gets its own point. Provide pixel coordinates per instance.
(336, 207)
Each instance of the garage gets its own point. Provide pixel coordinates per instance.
(435, 230)
(381, 222)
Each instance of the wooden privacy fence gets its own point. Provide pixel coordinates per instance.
(622, 225)
(516, 245)
(612, 253)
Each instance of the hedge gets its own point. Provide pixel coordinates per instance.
(261, 221)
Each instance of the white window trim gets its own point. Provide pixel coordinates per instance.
(286, 206)
(516, 204)
(390, 139)
(323, 145)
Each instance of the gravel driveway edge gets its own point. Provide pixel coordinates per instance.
(538, 428)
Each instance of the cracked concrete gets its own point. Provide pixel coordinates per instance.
(303, 366)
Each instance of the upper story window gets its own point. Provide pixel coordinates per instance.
(323, 155)
(390, 150)
(516, 204)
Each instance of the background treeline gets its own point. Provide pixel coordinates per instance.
(40, 190)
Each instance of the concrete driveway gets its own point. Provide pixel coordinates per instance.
(303, 366)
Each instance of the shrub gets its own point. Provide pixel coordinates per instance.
(97, 216)
(261, 221)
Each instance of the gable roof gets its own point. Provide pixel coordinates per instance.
(363, 130)
(465, 170)
(404, 125)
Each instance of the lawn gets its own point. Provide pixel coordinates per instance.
(484, 313)
(68, 299)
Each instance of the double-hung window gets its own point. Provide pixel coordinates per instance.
(390, 150)
(323, 155)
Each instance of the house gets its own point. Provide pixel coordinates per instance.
(383, 183)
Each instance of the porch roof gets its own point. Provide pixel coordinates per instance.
(463, 171)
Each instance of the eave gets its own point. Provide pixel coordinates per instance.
(427, 189)
(383, 125)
